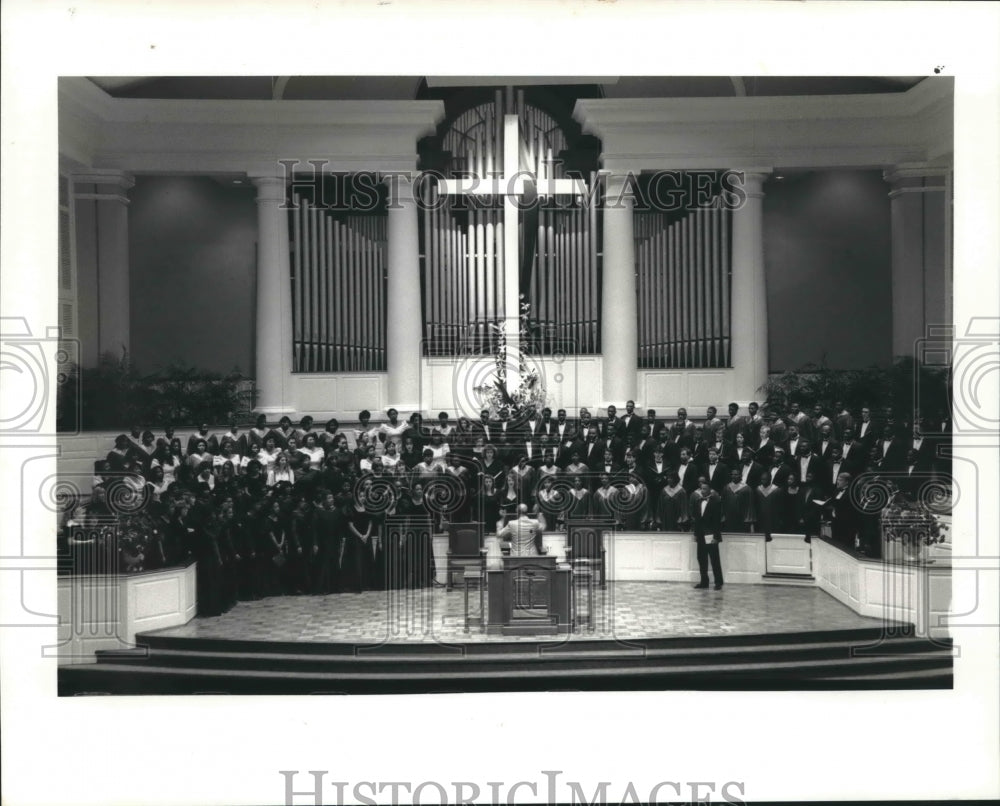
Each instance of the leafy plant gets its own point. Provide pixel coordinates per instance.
(907, 387)
(115, 395)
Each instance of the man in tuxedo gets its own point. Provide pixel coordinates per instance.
(916, 472)
(755, 421)
(651, 421)
(484, 427)
(592, 451)
(687, 472)
(866, 430)
(656, 471)
(798, 418)
(794, 440)
(780, 468)
(715, 471)
(548, 426)
(826, 442)
(751, 471)
(610, 423)
(643, 447)
(584, 426)
(842, 420)
(807, 463)
(779, 431)
(565, 433)
(893, 446)
(609, 466)
(505, 437)
(680, 435)
(852, 452)
(712, 429)
(819, 419)
(630, 425)
(844, 515)
(764, 449)
(835, 467)
(925, 441)
(614, 440)
(706, 520)
(736, 424)
(532, 426)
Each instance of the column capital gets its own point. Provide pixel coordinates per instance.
(916, 178)
(753, 180)
(400, 184)
(111, 184)
(269, 188)
(107, 177)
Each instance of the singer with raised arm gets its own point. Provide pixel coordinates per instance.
(522, 536)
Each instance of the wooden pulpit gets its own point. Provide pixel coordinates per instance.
(529, 596)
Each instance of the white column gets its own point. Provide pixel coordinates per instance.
(275, 384)
(748, 305)
(921, 284)
(111, 260)
(619, 324)
(404, 326)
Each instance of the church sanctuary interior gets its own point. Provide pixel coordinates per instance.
(402, 384)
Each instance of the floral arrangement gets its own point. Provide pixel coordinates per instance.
(913, 524)
(529, 394)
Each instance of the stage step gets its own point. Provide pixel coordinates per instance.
(175, 665)
(788, 579)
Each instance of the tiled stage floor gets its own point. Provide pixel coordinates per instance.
(630, 610)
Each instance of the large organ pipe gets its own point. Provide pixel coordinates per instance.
(297, 268)
(593, 336)
(324, 335)
(366, 293)
(430, 277)
(700, 307)
(313, 220)
(716, 289)
(726, 284)
(581, 236)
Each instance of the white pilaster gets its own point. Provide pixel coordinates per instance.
(921, 282)
(748, 326)
(404, 326)
(619, 333)
(275, 387)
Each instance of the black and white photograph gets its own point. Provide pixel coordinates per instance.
(377, 410)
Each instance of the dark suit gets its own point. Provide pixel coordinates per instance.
(689, 478)
(630, 426)
(814, 465)
(764, 453)
(867, 433)
(854, 458)
(708, 524)
(718, 477)
(595, 456)
(842, 422)
(825, 453)
(893, 455)
(752, 478)
(735, 425)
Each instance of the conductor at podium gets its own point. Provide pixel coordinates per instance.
(706, 520)
(522, 536)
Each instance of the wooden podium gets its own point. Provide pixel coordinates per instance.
(529, 596)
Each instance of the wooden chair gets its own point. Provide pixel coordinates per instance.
(465, 550)
(585, 546)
